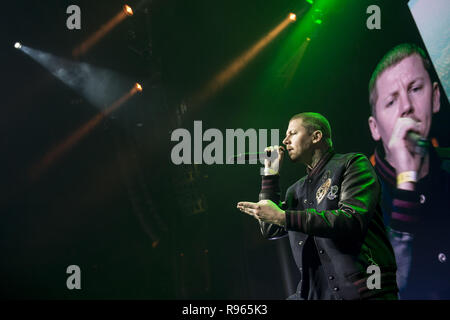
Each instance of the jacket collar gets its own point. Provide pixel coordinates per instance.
(384, 169)
(327, 156)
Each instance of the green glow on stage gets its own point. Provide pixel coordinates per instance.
(291, 58)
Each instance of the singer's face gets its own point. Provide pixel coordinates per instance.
(404, 90)
(298, 142)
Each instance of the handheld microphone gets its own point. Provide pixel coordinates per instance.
(419, 144)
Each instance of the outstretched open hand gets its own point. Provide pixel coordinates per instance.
(264, 210)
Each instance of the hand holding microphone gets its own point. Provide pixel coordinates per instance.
(272, 167)
(406, 151)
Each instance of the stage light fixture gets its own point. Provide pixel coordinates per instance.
(292, 16)
(127, 9)
(17, 45)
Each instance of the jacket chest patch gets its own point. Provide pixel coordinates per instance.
(326, 175)
(333, 192)
(322, 191)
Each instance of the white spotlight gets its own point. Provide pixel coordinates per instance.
(17, 45)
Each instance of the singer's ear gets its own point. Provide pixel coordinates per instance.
(373, 125)
(317, 136)
(436, 98)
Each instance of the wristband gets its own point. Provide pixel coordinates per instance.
(407, 176)
(269, 172)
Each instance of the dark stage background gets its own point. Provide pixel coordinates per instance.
(139, 226)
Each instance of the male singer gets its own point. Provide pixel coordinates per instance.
(332, 217)
(415, 188)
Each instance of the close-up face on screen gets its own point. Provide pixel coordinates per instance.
(225, 156)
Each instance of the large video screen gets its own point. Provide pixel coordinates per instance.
(431, 18)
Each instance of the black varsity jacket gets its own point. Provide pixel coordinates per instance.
(337, 204)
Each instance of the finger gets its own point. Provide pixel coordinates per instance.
(246, 204)
(240, 206)
(409, 120)
(267, 159)
(269, 148)
(274, 155)
(404, 125)
(246, 209)
(252, 212)
(249, 211)
(401, 129)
